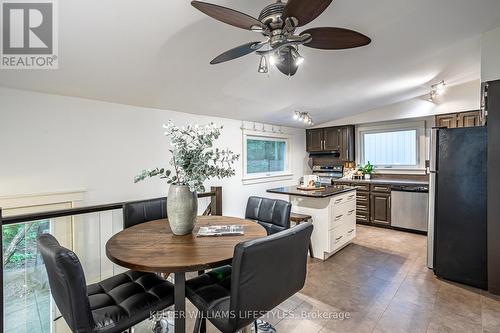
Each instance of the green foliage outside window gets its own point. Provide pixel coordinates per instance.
(265, 156)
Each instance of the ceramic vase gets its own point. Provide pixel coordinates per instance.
(182, 208)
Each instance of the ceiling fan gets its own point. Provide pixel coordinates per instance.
(278, 22)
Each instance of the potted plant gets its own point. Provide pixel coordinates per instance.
(194, 160)
(368, 170)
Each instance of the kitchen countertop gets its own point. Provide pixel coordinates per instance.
(382, 181)
(327, 192)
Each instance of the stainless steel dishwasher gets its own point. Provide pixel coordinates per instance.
(410, 207)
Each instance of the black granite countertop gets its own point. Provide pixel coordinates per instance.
(327, 192)
(382, 181)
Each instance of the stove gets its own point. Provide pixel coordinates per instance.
(327, 173)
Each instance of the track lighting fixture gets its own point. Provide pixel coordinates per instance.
(304, 117)
(436, 90)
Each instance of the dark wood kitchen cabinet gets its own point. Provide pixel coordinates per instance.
(459, 120)
(314, 140)
(346, 148)
(470, 119)
(337, 140)
(373, 203)
(331, 138)
(380, 206)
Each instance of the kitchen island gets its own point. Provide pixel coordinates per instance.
(333, 212)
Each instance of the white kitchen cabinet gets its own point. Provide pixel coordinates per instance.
(334, 220)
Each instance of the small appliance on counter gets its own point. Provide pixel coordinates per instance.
(309, 181)
(327, 173)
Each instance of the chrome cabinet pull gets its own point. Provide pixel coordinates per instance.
(339, 238)
(350, 231)
(350, 212)
(339, 216)
(339, 200)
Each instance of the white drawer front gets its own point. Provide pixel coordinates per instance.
(342, 235)
(342, 198)
(351, 231)
(341, 213)
(337, 238)
(351, 196)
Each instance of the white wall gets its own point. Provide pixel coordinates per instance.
(490, 55)
(53, 143)
(463, 97)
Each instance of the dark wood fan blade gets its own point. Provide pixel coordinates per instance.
(287, 64)
(305, 10)
(237, 52)
(227, 15)
(335, 38)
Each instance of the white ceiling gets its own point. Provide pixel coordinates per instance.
(156, 53)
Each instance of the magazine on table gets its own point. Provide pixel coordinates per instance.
(221, 230)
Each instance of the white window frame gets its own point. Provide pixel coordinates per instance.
(254, 178)
(418, 126)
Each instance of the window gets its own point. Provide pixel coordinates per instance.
(265, 155)
(28, 305)
(394, 146)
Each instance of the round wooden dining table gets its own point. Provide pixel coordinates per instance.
(152, 247)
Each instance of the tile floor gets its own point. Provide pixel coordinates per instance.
(380, 283)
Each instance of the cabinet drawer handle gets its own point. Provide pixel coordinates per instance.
(378, 188)
(350, 231)
(350, 212)
(338, 238)
(339, 216)
(339, 200)
(350, 197)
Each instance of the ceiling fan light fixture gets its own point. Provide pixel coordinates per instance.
(299, 60)
(297, 57)
(272, 59)
(277, 22)
(263, 65)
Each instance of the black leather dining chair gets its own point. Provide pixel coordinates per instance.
(112, 305)
(264, 273)
(144, 211)
(272, 214)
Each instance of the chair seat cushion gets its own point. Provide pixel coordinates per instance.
(127, 299)
(210, 294)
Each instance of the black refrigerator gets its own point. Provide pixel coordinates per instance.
(491, 96)
(460, 208)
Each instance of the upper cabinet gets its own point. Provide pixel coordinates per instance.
(462, 119)
(314, 140)
(331, 138)
(337, 140)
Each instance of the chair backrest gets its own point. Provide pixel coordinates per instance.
(272, 214)
(143, 211)
(267, 271)
(67, 283)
